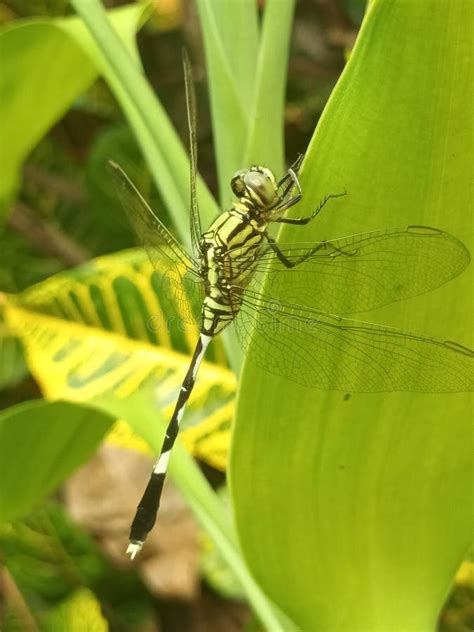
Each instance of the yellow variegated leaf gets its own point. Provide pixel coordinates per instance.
(105, 333)
(123, 436)
(210, 439)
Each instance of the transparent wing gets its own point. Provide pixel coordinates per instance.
(195, 219)
(362, 272)
(329, 352)
(176, 270)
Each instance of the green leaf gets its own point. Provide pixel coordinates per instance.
(54, 69)
(213, 568)
(354, 498)
(41, 443)
(80, 610)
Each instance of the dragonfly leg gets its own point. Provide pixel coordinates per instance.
(292, 175)
(301, 221)
(283, 201)
(295, 262)
(295, 167)
(297, 164)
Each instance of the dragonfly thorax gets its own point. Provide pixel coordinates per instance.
(229, 249)
(256, 188)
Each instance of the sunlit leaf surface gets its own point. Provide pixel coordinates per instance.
(344, 501)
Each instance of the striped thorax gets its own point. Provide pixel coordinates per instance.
(229, 248)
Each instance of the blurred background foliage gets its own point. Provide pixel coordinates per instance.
(58, 577)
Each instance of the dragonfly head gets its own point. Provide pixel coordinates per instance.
(255, 186)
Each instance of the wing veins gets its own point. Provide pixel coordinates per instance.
(376, 348)
(146, 223)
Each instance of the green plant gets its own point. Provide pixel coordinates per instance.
(358, 511)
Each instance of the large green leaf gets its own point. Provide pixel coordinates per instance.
(354, 513)
(42, 443)
(51, 58)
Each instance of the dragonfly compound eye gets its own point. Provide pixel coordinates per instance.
(238, 183)
(261, 187)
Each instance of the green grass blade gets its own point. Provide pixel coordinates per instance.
(354, 499)
(161, 146)
(227, 25)
(209, 510)
(230, 106)
(265, 140)
(247, 75)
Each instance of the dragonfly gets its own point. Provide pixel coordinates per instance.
(290, 303)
